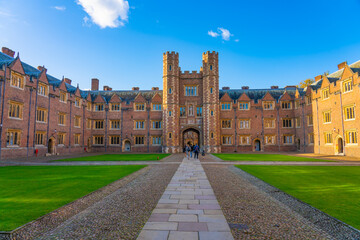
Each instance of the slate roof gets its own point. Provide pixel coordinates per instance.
(335, 76)
(258, 94)
(34, 72)
(124, 95)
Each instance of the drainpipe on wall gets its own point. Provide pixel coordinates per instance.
(342, 123)
(278, 126)
(36, 99)
(318, 126)
(235, 117)
(303, 118)
(48, 123)
(28, 131)
(2, 107)
(70, 102)
(106, 121)
(83, 138)
(262, 145)
(148, 138)
(121, 129)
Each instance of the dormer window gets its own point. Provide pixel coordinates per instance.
(139, 107)
(43, 89)
(286, 105)
(63, 97)
(325, 93)
(17, 80)
(98, 107)
(77, 102)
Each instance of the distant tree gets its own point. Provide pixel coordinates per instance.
(306, 83)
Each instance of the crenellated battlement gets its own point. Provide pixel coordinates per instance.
(171, 54)
(193, 74)
(210, 53)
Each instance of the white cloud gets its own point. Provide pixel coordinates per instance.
(224, 33)
(60, 8)
(213, 34)
(106, 13)
(236, 40)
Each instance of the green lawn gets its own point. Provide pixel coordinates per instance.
(119, 157)
(265, 157)
(332, 189)
(27, 193)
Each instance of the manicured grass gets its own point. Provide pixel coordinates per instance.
(265, 157)
(27, 193)
(332, 189)
(119, 157)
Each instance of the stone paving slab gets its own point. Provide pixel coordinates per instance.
(188, 209)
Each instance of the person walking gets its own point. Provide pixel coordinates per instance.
(187, 151)
(191, 150)
(196, 151)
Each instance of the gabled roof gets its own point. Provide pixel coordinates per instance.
(258, 94)
(126, 96)
(335, 76)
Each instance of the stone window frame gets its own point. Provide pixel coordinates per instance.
(326, 117)
(266, 105)
(19, 82)
(12, 110)
(242, 103)
(245, 139)
(346, 114)
(349, 137)
(345, 85)
(229, 123)
(273, 138)
(61, 137)
(289, 123)
(114, 140)
(77, 121)
(113, 121)
(152, 124)
(158, 142)
(328, 138)
(77, 102)
(153, 108)
(77, 138)
(62, 93)
(248, 120)
(285, 138)
(37, 135)
(99, 121)
(41, 118)
(139, 107)
(286, 105)
(12, 134)
(272, 123)
(64, 119)
(43, 89)
(325, 93)
(226, 106)
(136, 127)
(139, 140)
(97, 138)
(227, 138)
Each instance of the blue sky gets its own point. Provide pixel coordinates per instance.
(121, 42)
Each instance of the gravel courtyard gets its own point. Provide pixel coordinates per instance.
(250, 212)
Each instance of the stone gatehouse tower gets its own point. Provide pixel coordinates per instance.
(191, 104)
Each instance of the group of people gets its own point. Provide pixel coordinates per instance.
(193, 150)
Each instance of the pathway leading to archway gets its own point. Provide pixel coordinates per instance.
(188, 209)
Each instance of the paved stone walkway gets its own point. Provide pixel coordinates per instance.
(188, 209)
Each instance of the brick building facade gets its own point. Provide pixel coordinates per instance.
(43, 114)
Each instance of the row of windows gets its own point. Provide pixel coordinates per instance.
(267, 105)
(349, 114)
(191, 111)
(114, 107)
(115, 124)
(268, 139)
(350, 137)
(268, 123)
(347, 86)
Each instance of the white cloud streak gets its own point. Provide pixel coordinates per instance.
(224, 33)
(213, 34)
(60, 8)
(106, 13)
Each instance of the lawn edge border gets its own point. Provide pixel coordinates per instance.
(327, 223)
(54, 218)
(321, 160)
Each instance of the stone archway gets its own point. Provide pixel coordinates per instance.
(257, 145)
(190, 136)
(51, 146)
(339, 146)
(126, 145)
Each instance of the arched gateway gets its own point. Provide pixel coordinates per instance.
(190, 136)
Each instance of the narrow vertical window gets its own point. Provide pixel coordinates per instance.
(211, 90)
(170, 90)
(170, 67)
(210, 67)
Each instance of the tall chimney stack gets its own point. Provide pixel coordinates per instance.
(8, 51)
(94, 84)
